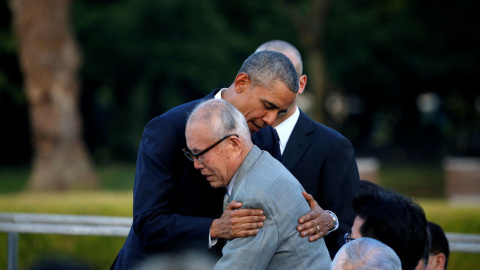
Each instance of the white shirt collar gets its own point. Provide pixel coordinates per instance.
(218, 95)
(285, 129)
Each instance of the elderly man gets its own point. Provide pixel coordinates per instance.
(173, 209)
(366, 253)
(219, 144)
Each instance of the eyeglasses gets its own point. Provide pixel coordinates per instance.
(191, 155)
(348, 237)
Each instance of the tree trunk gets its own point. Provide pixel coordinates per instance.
(309, 18)
(49, 60)
(317, 80)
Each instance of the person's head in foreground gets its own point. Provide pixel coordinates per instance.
(218, 140)
(393, 219)
(366, 254)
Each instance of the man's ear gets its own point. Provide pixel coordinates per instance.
(242, 81)
(302, 83)
(235, 143)
(439, 261)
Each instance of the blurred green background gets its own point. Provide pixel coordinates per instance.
(401, 73)
(401, 86)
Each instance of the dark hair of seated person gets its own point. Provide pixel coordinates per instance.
(439, 242)
(395, 220)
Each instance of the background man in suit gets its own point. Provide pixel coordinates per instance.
(366, 253)
(320, 158)
(174, 208)
(255, 178)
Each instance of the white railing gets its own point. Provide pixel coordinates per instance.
(16, 223)
(463, 242)
(64, 224)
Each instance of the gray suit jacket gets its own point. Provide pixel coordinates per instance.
(263, 182)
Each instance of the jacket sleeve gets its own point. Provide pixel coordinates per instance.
(254, 252)
(341, 170)
(156, 221)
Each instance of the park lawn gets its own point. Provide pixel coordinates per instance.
(98, 251)
(423, 181)
(459, 218)
(101, 251)
(112, 177)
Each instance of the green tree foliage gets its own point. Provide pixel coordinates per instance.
(388, 53)
(141, 58)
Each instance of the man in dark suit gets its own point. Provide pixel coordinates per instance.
(174, 208)
(320, 158)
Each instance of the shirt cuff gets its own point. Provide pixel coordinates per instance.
(211, 241)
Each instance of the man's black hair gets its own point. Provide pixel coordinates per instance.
(395, 220)
(439, 242)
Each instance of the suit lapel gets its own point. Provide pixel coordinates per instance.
(298, 142)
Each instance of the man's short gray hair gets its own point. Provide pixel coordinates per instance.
(266, 67)
(366, 254)
(222, 118)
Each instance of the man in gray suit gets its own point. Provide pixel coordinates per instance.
(219, 144)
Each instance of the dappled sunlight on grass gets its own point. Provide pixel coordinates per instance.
(76, 202)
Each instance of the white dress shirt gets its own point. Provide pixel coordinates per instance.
(285, 129)
(218, 95)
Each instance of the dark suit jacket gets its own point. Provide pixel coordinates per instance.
(323, 161)
(173, 204)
